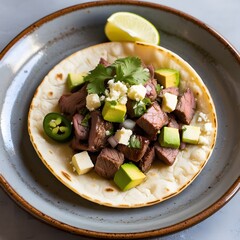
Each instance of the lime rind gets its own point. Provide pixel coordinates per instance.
(126, 26)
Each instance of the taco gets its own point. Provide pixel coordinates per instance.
(170, 172)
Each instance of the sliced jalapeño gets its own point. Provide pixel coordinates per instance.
(57, 127)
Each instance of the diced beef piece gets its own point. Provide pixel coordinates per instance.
(147, 160)
(81, 132)
(153, 119)
(186, 106)
(134, 154)
(93, 156)
(104, 62)
(150, 85)
(97, 135)
(167, 155)
(172, 90)
(108, 162)
(139, 131)
(78, 145)
(151, 71)
(73, 102)
(172, 122)
(130, 110)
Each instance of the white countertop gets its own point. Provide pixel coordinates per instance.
(221, 15)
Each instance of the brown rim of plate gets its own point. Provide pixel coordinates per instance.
(158, 232)
(162, 231)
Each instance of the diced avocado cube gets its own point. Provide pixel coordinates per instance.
(168, 77)
(128, 176)
(169, 137)
(114, 112)
(169, 102)
(75, 80)
(190, 134)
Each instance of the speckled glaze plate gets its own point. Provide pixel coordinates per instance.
(29, 57)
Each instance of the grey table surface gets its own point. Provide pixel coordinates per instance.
(221, 15)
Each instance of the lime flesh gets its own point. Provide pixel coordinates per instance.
(125, 26)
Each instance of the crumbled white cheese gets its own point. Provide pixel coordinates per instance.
(117, 90)
(123, 100)
(199, 119)
(106, 92)
(82, 163)
(123, 135)
(137, 92)
(108, 133)
(93, 101)
(207, 128)
(102, 98)
(169, 102)
(202, 117)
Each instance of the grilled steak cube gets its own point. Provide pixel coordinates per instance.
(167, 155)
(93, 156)
(71, 103)
(97, 135)
(104, 62)
(153, 119)
(151, 70)
(186, 106)
(130, 110)
(108, 162)
(134, 154)
(81, 132)
(172, 122)
(77, 145)
(172, 90)
(151, 89)
(147, 160)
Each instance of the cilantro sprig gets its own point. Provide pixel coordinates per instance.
(128, 70)
(96, 79)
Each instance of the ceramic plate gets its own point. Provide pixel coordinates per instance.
(29, 57)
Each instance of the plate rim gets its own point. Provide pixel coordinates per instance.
(136, 235)
(233, 189)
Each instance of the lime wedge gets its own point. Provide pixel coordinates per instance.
(126, 26)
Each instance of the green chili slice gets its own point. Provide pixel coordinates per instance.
(57, 127)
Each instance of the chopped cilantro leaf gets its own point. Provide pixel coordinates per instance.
(141, 107)
(130, 70)
(146, 101)
(83, 111)
(96, 79)
(113, 102)
(158, 88)
(84, 122)
(134, 142)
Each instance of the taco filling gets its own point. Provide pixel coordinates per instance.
(127, 120)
